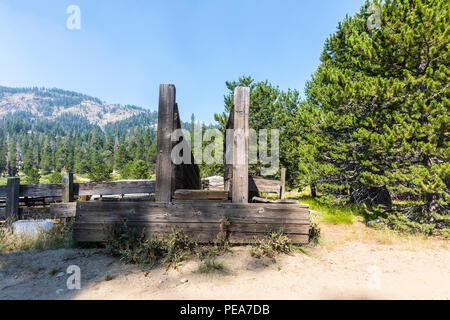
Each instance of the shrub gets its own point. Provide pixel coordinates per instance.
(101, 172)
(210, 264)
(273, 243)
(32, 176)
(136, 170)
(107, 277)
(132, 247)
(55, 177)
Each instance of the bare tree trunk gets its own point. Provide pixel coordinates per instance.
(313, 190)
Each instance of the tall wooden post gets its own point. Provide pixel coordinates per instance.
(165, 169)
(12, 200)
(283, 183)
(67, 187)
(67, 192)
(239, 185)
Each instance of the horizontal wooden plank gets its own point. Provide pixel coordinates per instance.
(264, 200)
(116, 187)
(80, 189)
(199, 227)
(40, 190)
(194, 209)
(199, 219)
(63, 210)
(258, 184)
(204, 236)
(184, 194)
(2, 191)
(54, 211)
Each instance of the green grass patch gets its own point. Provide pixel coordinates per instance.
(335, 214)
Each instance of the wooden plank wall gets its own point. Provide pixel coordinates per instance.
(200, 220)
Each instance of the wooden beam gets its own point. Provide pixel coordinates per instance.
(264, 200)
(115, 187)
(258, 184)
(228, 152)
(186, 194)
(3, 190)
(198, 220)
(83, 189)
(164, 165)
(12, 200)
(54, 211)
(283, 183)
(67, 187)
(41, 190)
(239, 187)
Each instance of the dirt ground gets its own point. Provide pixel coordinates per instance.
(352, 262)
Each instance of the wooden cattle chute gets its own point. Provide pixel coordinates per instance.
(179, 201)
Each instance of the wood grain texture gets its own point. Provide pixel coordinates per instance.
(197, 219)
(283, 183)
(67, 187)
(187, 194)
(165, 169)
(259, 184)
(115, 187)
(54, 211)
(12, 200)
(239, 186)
(85, 189)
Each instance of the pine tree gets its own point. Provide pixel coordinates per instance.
(382, 102)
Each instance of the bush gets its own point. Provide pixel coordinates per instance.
(136, 170)
(272, 244)
(210, 264)
(32, 176)
(132, 247)
(101, 172)
(55, 177)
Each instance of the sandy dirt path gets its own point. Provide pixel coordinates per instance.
(349, 266)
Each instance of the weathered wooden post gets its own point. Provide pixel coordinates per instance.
(283, 183)
(165, 169)
(67, 192)
(12, 200)
(239, 185)
(67, 187)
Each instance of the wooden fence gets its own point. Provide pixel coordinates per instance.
(28, 201)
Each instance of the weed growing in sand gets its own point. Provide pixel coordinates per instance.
(53, 271)
(133, 247)
(178, 247)
(58, 237)
(273, 243)
(210, 264)
(107, 277)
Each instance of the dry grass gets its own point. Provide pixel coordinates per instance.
(59, 237)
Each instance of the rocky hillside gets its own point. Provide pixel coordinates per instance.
(53, 103)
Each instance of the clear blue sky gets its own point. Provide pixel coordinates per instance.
(125, 49)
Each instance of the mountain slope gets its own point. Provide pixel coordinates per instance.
(50, 104)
